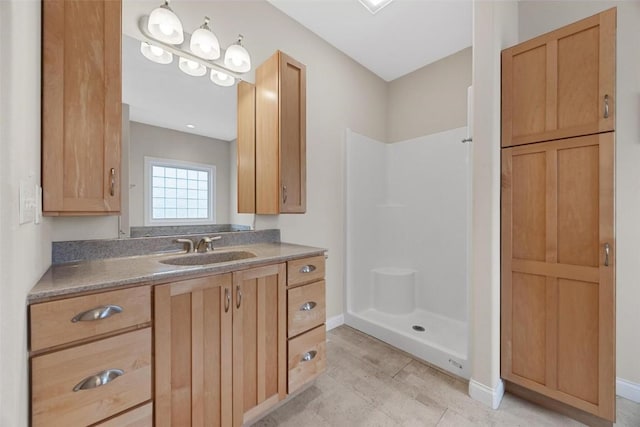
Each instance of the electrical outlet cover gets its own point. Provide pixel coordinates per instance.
(27, 201)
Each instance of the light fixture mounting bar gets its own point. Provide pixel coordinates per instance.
(183, 50)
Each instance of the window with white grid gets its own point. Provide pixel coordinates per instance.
(179, 192)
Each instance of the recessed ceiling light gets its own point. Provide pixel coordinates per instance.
(374, 6)
(190, 126)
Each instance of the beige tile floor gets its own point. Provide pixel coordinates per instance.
(369, 383)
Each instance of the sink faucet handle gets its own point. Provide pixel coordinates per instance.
(188, 242)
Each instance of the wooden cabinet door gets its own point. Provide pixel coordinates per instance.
(293, 132)
(281, 136)
(558, 262)
(561, 84)
(81, 107)
(246, 146)
(259, 341)
(193, 352)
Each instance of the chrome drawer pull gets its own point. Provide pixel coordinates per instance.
(309, 355)
(99, 379)
(227, 299)
(308, 306)
(307, 268)
(606, 106)
(607, 249)
(97, 313)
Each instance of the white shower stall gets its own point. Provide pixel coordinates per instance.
(408, 221)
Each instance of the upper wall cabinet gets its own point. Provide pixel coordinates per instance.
(561, 84)
(81, 107)
(280, 136)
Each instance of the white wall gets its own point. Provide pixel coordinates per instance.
(25, 250)
(495, 27)
(152, 141)
(407, 207)
(538, 17)
(431, 99)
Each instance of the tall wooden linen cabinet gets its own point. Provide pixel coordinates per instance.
(558, 235)
(272, 138)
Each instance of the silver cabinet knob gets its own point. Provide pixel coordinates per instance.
(309, 355)
(307, 268)
(308, 306)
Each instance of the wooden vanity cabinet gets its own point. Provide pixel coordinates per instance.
(281, 131)
(560, 84)
(220, 347)
(81, 107)
(91, 358)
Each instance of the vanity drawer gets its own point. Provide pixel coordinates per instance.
(306, 308)
(307, 357)
(138, 417)
(305, 270)
(54, 377)
(59, 322)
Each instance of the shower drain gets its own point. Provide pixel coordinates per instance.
(418, 328)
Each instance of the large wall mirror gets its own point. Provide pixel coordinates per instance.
(179, 139)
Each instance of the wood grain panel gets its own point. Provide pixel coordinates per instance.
(181, 360)
(529, 313)
(578, 69)
(529, 86)
(302, 371)
(51, 323)
(529, 206)
(54, 376)
(141, 416)
(302, 320)
(82, 112)
(293, 133)
(578, 204)
(259, 347)
(193, 352)
(246, 156)
(296, 271)
(267, 137)
(578, 339)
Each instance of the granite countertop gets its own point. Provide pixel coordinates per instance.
(112, 273)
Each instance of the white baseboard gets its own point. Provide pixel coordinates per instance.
(487, 395)
(628, 390)
(335, 321)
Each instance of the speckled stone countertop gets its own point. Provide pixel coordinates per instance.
(112, 273)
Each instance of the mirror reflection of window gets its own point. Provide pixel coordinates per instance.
(178, 192)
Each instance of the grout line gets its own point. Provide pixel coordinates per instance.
(442, 416)
(401, 369)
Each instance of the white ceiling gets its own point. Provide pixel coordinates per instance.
(402, 37)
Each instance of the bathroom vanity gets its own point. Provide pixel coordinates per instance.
(143, 341)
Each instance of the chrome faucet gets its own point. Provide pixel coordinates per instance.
(188, 242)
(204, 245)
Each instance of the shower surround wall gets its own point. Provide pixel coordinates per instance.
(407, 239)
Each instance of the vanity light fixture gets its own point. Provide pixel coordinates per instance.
(198, 52)
(192, 68)
(165, 25)
(156, 54)
(237, 58)
(221, 79)
(204, 43)
(374, 6)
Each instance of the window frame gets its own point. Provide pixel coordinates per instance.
(149, 162)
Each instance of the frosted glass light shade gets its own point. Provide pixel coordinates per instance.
(204, 43)
(237, 59)
(221, 79)
(165, 26)
(192, 68)
(155, 53)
